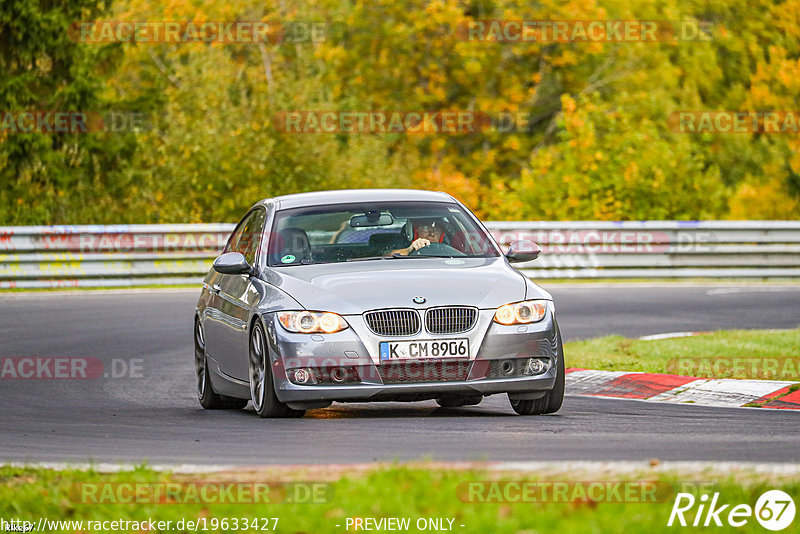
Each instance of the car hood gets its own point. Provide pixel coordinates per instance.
(355, 287)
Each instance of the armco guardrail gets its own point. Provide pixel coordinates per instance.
(113, 255)
(648, 249)
(126, 255)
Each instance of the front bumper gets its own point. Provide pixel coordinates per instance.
(357, 348)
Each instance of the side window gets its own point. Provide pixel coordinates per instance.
(251, 236)
(233, 240)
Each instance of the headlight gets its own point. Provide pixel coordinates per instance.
(306, 322)
(527, 311)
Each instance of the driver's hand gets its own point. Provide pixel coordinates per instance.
(419, 243)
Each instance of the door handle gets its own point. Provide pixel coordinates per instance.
(215, 288)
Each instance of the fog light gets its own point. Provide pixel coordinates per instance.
(535, 367)
(301, 376)
(339, 374)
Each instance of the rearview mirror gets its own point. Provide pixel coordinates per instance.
(231, 263)
(371, 219)
(522, 251)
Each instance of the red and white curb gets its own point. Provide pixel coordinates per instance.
(679, 389)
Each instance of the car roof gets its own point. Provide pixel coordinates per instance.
(346, 196)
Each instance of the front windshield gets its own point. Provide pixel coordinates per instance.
(375, 231)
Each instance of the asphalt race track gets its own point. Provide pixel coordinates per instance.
(156, 417)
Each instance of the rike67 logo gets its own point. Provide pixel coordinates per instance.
(774, 510)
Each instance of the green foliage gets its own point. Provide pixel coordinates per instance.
(598, 144)
(46, 177)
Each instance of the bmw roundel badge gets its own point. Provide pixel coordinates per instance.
(419, 300)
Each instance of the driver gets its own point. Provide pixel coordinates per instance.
(426, 231)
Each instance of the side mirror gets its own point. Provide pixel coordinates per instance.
(231, 263)
(522, 251)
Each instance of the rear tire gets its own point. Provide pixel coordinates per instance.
(262, 388)
(208, 398)
(457, 402)
(552, 401)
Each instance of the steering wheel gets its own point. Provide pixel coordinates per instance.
(437, 249)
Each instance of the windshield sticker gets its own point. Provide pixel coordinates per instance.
(288, 259)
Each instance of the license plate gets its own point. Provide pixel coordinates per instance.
(430, 348)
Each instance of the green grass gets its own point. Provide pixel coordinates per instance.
(414, 492)
(758, 354)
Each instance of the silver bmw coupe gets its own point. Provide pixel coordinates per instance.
(372, 295)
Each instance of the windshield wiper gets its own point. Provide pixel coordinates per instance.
(396, 255)
(367, 258)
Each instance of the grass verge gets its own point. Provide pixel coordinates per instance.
(755, 354)
(30, 494)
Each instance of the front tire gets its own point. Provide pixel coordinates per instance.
(262, 389)
(552, 401)
(208, 398)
